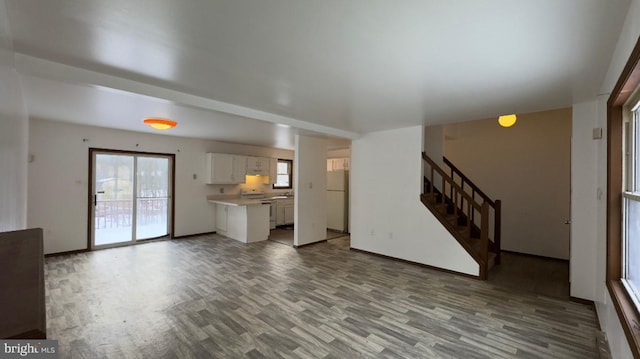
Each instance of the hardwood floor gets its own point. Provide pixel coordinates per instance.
(212, 297)
(285, 236)
(544, 276)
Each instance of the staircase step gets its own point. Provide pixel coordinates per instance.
(449, 207)
(430, 195)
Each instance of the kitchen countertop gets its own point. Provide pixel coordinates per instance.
(280, 197)
(237, 201)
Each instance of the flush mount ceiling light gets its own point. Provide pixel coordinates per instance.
(160, 123)
(507, 120)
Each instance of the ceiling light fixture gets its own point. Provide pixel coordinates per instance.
(507, 120)
(160, 123)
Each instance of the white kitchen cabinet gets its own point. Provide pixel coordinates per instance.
(279, 215)
(222, 217)
(272, 174)
(225, 168)
(338, 164)
(243, 222)
(258, 166)
(288, 214)
(239, 169)
(284, 211)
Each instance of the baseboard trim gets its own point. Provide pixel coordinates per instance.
(448, 271)
(57, 254)
(193, 235)
(534, 256)
(167, 237)
(583, 301)
(309, 244)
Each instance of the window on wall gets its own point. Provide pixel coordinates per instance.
(284, 174)
(631, 203)
(623, 199)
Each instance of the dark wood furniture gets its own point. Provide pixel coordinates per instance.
(22, 301)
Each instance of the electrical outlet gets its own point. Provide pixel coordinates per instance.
(221, 189)
(195, 176)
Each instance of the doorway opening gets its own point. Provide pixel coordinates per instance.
(130, 197)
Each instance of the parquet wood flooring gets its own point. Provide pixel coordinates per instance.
(213, 297)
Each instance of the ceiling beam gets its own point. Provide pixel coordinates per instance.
(34, 66)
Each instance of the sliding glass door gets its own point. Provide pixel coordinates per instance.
(152, 200)
(130, 197)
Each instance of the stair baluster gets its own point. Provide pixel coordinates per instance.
(463, 206)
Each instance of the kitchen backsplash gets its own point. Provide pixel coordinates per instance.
(253, 183)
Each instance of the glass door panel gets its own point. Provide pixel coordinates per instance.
(152, 197)
(113, 199)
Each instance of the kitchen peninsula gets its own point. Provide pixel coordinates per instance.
(242, 219)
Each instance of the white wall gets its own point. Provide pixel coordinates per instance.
(434, 143)
(527, 166)
(13, 138)
(387, 216)
(58, 178)
(584, 181)
(609, 321)
(310, 185)
(434, 147)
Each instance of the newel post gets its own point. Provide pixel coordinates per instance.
(484, 230)
(497, 229)
(484, 239)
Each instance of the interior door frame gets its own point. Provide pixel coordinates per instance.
(90, 210)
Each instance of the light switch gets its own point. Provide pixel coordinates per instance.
(597, 133)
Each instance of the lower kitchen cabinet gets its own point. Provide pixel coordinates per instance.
(284, 211)
(245, 223)
(288, 214)
(279, 215)
(222, 217)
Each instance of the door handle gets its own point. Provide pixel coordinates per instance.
(568, 221)
(95, 198)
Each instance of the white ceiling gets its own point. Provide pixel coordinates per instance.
(259, 71)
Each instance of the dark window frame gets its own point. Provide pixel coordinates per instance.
(628, 313)
(290, 164)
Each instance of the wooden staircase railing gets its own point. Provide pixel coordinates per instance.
(464, 216)
(496, 205)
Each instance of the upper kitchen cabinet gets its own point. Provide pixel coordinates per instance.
(272, 174)
(273, 169)
(337, 164)
(226, 169)
(258, 166)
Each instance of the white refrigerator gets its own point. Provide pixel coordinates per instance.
(338, 200)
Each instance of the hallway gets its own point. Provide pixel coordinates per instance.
(538, 275)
